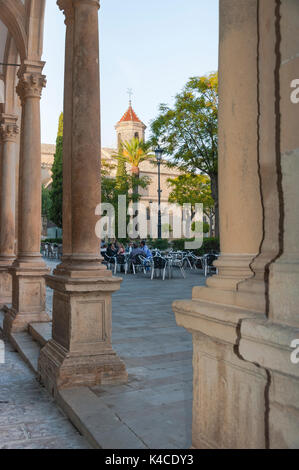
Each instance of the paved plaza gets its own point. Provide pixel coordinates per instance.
(29, 418)
(153, 410)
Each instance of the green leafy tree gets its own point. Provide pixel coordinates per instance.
(57, 171)
(120, 185)
(193, 189)
(46, 202)
(122, 180)
(134, 152)
(188, 132)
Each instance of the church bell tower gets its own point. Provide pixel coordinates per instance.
(129, 127)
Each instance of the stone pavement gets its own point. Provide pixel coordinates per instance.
(153, 410)
(29, 419)
(156, 404)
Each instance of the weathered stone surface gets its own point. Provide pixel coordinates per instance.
(244, 320)
(96, 420)
(29, 419)
(80, 351)
(158, 356)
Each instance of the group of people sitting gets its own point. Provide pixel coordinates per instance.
(132, 249)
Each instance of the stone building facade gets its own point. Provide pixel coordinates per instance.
(127, 128)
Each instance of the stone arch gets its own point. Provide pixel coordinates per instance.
(11, 56)
(35, 12)
(12, 14)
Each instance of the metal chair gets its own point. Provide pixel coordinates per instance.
(197, 262)
(178, 262)
(55, 251)
(209, 263)
(109, 261)
(159, 263)
(121, 262)
(137, 263)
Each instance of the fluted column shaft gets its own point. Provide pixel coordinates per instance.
(240, 204)
(229, 393)
(28, 270)
(81, 157)
(31, 83)
(8, 134)
(80, 351)
(9, 131)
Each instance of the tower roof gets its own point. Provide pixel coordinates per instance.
(130, 115)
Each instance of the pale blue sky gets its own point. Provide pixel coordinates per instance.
(151, 46)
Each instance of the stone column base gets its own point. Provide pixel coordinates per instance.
(228, 391)
(269, 344)
(60, 369)
(15, 322)
(80, 351)
(29, 298)
(5, 287)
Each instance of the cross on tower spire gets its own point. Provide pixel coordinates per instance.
(130, 93)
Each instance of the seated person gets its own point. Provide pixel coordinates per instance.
(111, 251)
(136, 251)
(147, 252)
(129, 248)
(121, 249)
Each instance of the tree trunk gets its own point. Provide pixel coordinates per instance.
(135, 173)
(214, 190)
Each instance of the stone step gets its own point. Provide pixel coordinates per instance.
(96, 421)
(41, 332)
(28, 349)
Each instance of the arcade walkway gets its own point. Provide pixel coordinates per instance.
(29, 419)
(153, 410)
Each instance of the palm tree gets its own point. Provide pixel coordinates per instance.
(134, 152)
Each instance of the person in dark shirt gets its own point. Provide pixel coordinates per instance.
(111, 251)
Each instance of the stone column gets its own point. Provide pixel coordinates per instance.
(267, 340)
(240, 204)
(80, 351)
(9, 131)
(228, 392)
(28, 301)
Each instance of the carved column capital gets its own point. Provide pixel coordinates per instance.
(8, 127)
(68, 6)
(95, 3)
(30, 85)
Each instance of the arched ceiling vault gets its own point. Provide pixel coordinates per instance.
(21, 38)
(13, 16)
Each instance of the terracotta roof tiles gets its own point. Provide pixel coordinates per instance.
(130, 115)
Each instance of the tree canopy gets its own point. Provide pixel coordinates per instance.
(46, 202)
(55, 212)
(193, 189)
(120, 185)
(188, 132)
(134, 152)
